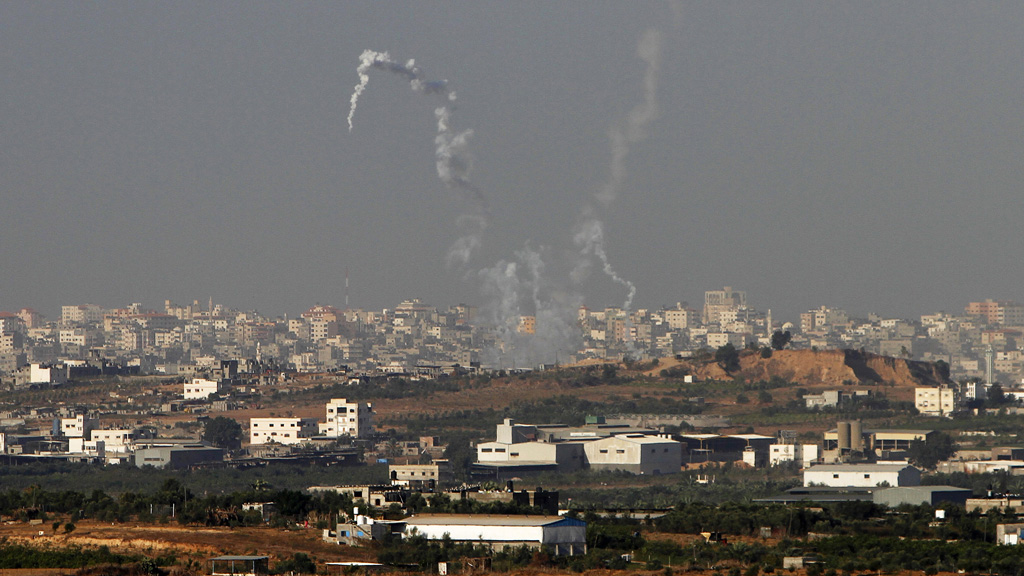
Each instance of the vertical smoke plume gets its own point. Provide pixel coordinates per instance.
(518, 288)
(589, 234)
(451, 148)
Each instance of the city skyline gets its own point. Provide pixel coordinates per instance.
(811, 155)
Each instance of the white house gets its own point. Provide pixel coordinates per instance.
(114, 444)
(281, 430)
(201, 388)
(862, 475)
(42, 374)
(77, 427)
(565, 536)
(346, 418)
(805, 454)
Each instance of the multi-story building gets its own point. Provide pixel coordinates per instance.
(823, 319)
(83, 314)
(937, 401)
(77, 427)
(527, 324)
(281, 430)
(1001, 312)
(718, 301)
(346, 418)
(677, 318)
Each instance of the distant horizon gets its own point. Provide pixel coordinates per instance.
(695, 305)
(865, 157)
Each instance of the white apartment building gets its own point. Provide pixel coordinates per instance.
(281, 430)
(77, 427)
(201, 388)
(346, 418)
(940, 401)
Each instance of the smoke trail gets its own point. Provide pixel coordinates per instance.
(589, 234)
(451, 147)
(382, 61)
(590, 237)
(520, 287)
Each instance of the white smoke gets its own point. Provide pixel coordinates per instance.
(451, 147)
(522, 288)
(590, 238)
(589, 234)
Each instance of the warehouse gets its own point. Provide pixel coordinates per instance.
(564, 536)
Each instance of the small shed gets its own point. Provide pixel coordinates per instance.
(240, 565)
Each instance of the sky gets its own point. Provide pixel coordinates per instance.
(865, 156)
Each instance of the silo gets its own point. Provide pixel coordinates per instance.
(856, 436)
(844, 435)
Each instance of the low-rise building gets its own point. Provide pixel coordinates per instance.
(201, 388)
(176, 456)
(636, 453)
(281, 430)
(862, 475)
(421, 476)
(805, 454)
(564, 536)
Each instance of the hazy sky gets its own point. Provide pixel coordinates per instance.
(859, 155)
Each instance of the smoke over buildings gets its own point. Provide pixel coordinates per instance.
(453, 162)
(525, 286)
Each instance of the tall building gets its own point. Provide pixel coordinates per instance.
(346, 418)
(1000, 312)
(718, 301)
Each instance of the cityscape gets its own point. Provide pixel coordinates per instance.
(651, 289)
(828, 410)
(980, 343)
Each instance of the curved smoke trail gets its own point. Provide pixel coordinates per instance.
(589, 235)
(453, 161)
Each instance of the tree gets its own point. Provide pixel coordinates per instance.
(728, 358)
(996, 396)
(926, 454)
(942, 369)
(780, 339)
(223, 432)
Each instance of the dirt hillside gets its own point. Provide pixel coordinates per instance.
(826, 368)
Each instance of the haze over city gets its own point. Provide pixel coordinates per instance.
(859, 156)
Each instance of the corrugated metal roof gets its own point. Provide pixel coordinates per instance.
(489, 520)
(858, 467)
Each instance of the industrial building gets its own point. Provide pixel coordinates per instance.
(565, 536)
(862, 475)
(849, 438)
(522, 448)
(176, 456)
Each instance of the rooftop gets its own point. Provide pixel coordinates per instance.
(488, 520)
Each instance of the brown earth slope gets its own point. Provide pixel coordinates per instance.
(826, 367)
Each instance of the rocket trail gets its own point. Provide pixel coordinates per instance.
(452, 158)
(589, 235)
